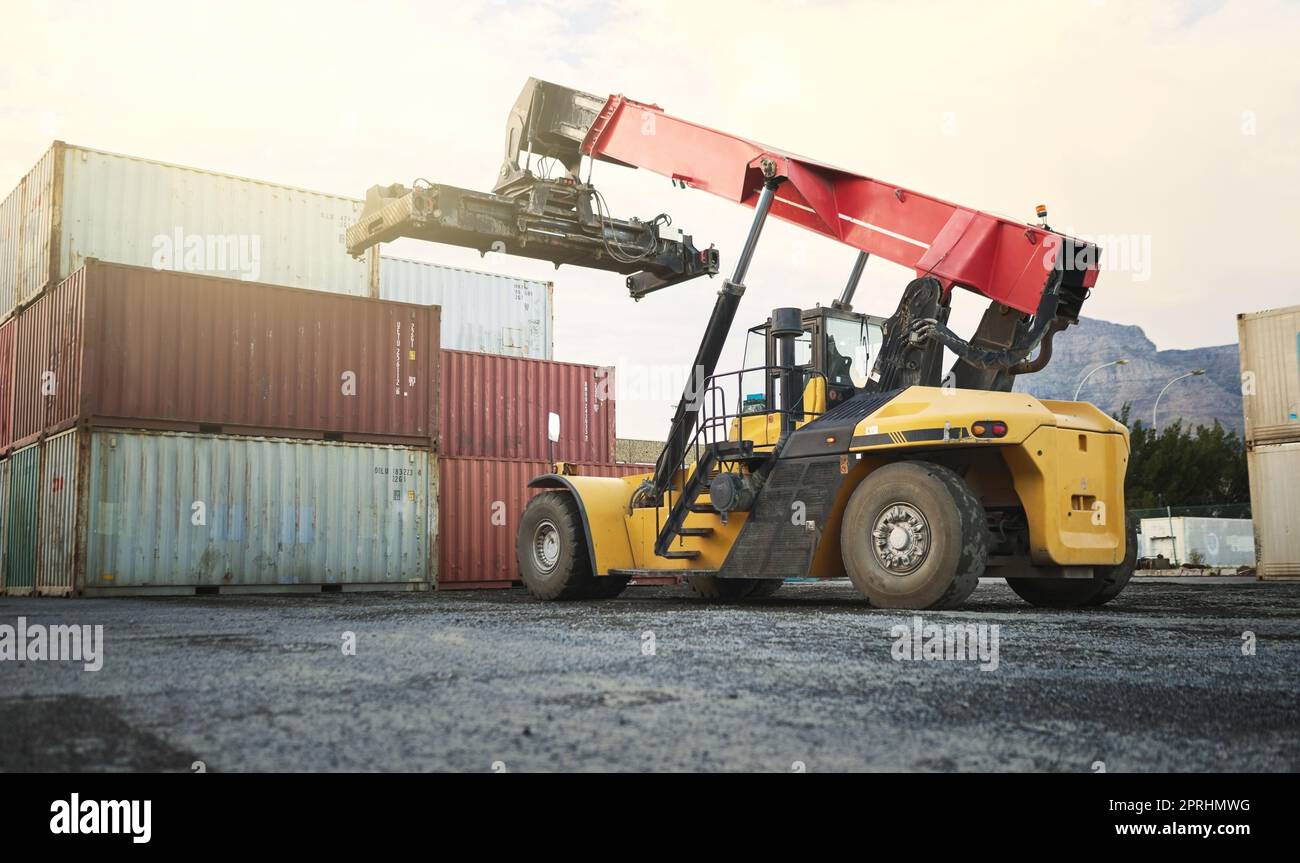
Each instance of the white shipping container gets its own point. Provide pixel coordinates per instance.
(165, 512)
(1210, 541)
(482, 312)
(11, 232)
(1270, 374)
(79, 203)
(1275, 505)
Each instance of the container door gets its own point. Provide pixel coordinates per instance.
(20, 530)
(4, 517)
(57, 503)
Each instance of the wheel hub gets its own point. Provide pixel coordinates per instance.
(546, 546)
(901, 538)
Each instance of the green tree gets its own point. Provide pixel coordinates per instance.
(1177, 466)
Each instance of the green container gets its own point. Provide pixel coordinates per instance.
(20, 520)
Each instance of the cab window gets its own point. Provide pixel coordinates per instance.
(848, 351)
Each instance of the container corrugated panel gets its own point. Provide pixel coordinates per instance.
(81, 203)
(497, 407)
(135, 347)
(39, 215)
(8, 344)
(163, 510)
(1275, 508)
(1270, 368)
(4, 518)
(20, 526)
(11, 231)
(482, 312)
(57, 513)
(35, 383)
(480, 502)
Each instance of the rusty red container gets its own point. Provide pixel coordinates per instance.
(114, 345)
(479, 505)
(496, 407)
(8, 345)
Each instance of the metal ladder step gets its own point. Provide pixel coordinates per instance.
(695, 531)
(703, 507)
(687, 554)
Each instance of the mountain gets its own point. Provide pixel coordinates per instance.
(1198, 400)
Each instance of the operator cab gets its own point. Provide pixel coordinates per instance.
(840, 345)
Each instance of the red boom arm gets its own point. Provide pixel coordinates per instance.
(1001, 259)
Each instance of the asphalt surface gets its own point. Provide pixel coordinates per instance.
(476, 681)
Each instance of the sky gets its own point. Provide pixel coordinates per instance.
(1168, 131)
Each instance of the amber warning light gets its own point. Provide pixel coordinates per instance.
(989, 428)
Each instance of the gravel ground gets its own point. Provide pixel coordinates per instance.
(657, 680)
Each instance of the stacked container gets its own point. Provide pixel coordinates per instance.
(482, 312)
(176, 432)
(1270, 383)
(494, 440)
(200, 390)
(79, 204)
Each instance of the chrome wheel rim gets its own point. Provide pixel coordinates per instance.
(546, 546)
(900, 538)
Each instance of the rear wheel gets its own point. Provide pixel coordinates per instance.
(915, 536)
(1084, 592)
(551, 548)
(732, 589)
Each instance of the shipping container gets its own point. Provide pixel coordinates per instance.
(8, 346)
(4, 518)
(78, 204)
(20, 522)
(480, 503)
(482, 312)
(1275, 507)
(163, 512)
(1225, 542)
(134, 347)
(1270, 374)
(57, 515)
(497, 407)
(11, 232)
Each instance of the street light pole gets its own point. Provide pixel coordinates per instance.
(1093, 372)
(1156, 406)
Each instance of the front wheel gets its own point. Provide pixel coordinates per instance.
(551, 548)
(914, 536)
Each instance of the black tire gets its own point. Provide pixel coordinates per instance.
(937, 547)
(723, 589)
(551, 548)
(1082, 593)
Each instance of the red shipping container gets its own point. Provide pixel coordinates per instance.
(114, 345)
(496, 407)
(479, 505)
(8, 343)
